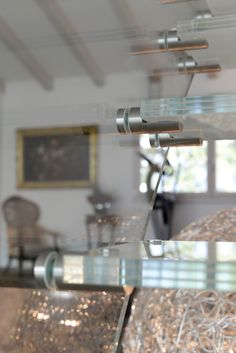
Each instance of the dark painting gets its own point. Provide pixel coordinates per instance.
(56, 157)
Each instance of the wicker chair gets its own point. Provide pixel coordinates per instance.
(27, 239)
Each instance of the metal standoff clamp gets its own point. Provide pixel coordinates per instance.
(43, 269)
(129, 121)
(188, 66)
(154, 140)
(170, 41)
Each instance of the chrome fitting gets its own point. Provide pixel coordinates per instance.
(169, 41)
(188, 66)
(154, 140)
(43, 269)
(129, 121)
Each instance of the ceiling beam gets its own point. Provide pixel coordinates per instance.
(127, 18)
(22, 53)
(125, 13)
(2, 86)
(71, 37)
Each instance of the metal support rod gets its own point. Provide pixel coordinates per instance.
(196, 44)
(197, 69)
(180, 142)
(202, 69)
(166, 2)
(123, 319)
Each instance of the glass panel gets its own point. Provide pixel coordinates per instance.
(155, 264)
(218, 30)
(211, 115)
(207, 23)
(225, 166)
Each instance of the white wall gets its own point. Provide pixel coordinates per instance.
(72, 102)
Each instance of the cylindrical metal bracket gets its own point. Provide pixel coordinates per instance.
(186, 63)
(169, 41)
(43, 269)
(125, 116)
(129, 121)
(188, 66)
(154, 140)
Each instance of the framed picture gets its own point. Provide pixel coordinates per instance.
(56, 157)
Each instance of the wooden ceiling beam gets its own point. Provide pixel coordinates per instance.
(71, 37)
(2, 86)
(125, 13)
(22, 53)
(127, 18)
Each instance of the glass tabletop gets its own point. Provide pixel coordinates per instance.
(149, 264)
(209, 117)
(195, 265)
(155, 264)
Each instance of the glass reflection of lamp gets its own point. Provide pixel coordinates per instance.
(100, 201)
(154, 171)
(51, 321)
(100, 225)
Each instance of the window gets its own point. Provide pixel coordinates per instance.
(225, 168)
(206, 169)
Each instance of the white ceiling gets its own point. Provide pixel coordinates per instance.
(219, 7)
(107, 27)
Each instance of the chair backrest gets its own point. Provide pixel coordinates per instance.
(19, 212)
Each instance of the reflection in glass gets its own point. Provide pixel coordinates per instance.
(186, 172)
(212, 115)
(60, 321)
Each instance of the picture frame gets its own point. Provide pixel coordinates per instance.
(60, 157)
